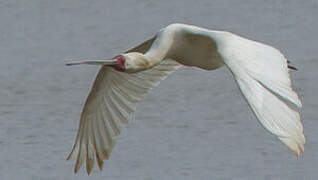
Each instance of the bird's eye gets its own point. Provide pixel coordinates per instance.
(120, 66)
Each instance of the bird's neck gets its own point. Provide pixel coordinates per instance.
(152, 60)
(147, 60)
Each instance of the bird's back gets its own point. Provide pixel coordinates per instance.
(189, 45)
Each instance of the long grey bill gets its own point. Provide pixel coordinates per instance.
(93, 62)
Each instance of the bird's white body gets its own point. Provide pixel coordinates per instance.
(260, 71)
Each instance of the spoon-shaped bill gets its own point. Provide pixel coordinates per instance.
(93, 62)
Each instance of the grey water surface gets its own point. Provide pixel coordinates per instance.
(195, 125)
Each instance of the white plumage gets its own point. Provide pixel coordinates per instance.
(260, 71)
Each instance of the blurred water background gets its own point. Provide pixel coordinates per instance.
(195, 125)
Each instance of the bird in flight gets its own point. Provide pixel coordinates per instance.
(260, 71)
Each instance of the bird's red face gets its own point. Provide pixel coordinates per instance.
(120, 63)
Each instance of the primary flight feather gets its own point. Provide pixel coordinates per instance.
(261, 72)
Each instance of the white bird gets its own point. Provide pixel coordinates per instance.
(260, 71)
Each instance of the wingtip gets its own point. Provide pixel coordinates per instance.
(89, 168)
(71, 154)
(296, 147)
(75, 170)
(79, 162)
(100, 162)
(69, 157)
(89, 164)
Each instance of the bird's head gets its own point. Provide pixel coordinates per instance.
(129, 62)
(132, 62)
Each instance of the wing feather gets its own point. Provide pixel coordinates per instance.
(109, 106)
(262, 75)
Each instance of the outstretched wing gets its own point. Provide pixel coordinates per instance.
(109, 106)
(143, 47)
(261, 73)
